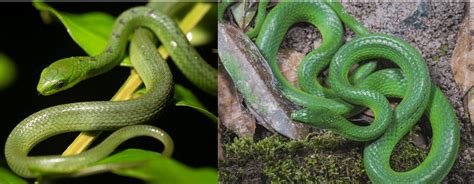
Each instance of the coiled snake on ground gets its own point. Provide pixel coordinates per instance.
(328, 107)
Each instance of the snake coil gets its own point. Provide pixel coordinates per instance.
(328, 107)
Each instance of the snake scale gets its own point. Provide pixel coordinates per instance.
(327, 104)
(109, 115)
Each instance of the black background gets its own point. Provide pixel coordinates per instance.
(34, 45)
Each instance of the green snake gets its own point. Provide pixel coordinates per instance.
(328, 105)
(109, 115)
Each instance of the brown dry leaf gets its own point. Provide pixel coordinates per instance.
(231, 114)
(417, 138)
(370, 113)
(462, 61)
(289, 61)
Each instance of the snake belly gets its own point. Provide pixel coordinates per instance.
(411, 83)
(104, 115)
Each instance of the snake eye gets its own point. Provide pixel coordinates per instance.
(59, 84)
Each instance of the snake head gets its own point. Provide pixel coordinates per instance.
(59, 76)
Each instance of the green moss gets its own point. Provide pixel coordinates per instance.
(406, 155)
(322, 158)
(443, 49)
(326, 158)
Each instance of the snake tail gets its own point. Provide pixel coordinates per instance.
(441, 157)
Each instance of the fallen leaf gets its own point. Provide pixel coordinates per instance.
(462, 61)
(252, 77)
(289, 60)
(231, 113)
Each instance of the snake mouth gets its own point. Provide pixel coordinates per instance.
(46, 88)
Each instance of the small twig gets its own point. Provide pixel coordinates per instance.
(84, 139)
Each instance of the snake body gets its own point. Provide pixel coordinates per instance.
(108, 115)
(325, 107)
(327, 21)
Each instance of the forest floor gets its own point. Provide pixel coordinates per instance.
(432, 28)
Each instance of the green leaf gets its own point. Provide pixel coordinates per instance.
(89, 30)
(200, 35)
(243, 13)
(126, 62)
(186, 98)
(175, 9)
(8, 177)
(7, 71)
(206, 30)
(154, 168)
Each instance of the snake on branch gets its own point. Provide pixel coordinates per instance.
(109, 115)
(327, 104)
